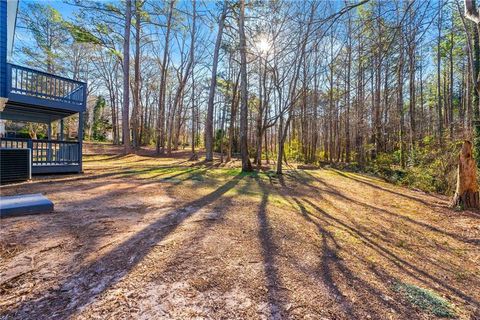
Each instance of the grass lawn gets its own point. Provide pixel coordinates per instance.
(147, 237)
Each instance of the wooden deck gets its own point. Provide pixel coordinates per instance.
(49, 156)
(36, 96)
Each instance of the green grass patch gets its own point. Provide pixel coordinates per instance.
(343, 235)
(231, 172)
(172, 180)
(197, 176)
(147, 173)
(426, 300)
(280, 202)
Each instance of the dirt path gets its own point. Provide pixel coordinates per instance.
(141, 237)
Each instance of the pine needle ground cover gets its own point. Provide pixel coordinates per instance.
(142, 236)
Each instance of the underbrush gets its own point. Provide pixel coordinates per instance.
(429, 167)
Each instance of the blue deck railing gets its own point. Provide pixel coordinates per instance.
(47, 152)
(41, 85)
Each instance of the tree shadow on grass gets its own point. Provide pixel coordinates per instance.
(329, 257)
(79, 289)
(396, 194)
(108, 157)
(97, 197)
(330, 261)
(275, 296)
(336, 193)
(114, 173)
(380, 229)
(403, 265)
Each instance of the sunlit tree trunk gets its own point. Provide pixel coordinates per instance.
(137, 81)
(246, 165)
(213, 85)
(163, 84)
(126, 78)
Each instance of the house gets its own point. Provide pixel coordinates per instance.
(29, 95)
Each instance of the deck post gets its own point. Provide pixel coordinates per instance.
(3, 50)
(80, 140)
(61, 150)
(49, 145)
(61, 129)
(30, 145)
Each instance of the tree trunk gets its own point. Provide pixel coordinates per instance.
(194, 155)
(450, 100)
(466, 194)
(401, 130)
(439, 61)
(412, 101)
(246, 165)
(233, 115)
(163, 85)
(213, 85)
(347, 104)
(137, 83)
(177, 102)
(476, 95)
(126, 78)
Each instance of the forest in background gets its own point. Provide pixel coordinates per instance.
(384, 87)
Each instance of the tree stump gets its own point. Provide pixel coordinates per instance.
(466, 194)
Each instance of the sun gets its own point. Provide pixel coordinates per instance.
(263, 45)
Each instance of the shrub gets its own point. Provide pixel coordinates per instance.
(429, 167)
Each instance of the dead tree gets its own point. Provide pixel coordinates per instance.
(466, 194)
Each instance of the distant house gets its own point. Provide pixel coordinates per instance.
(30, 95)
